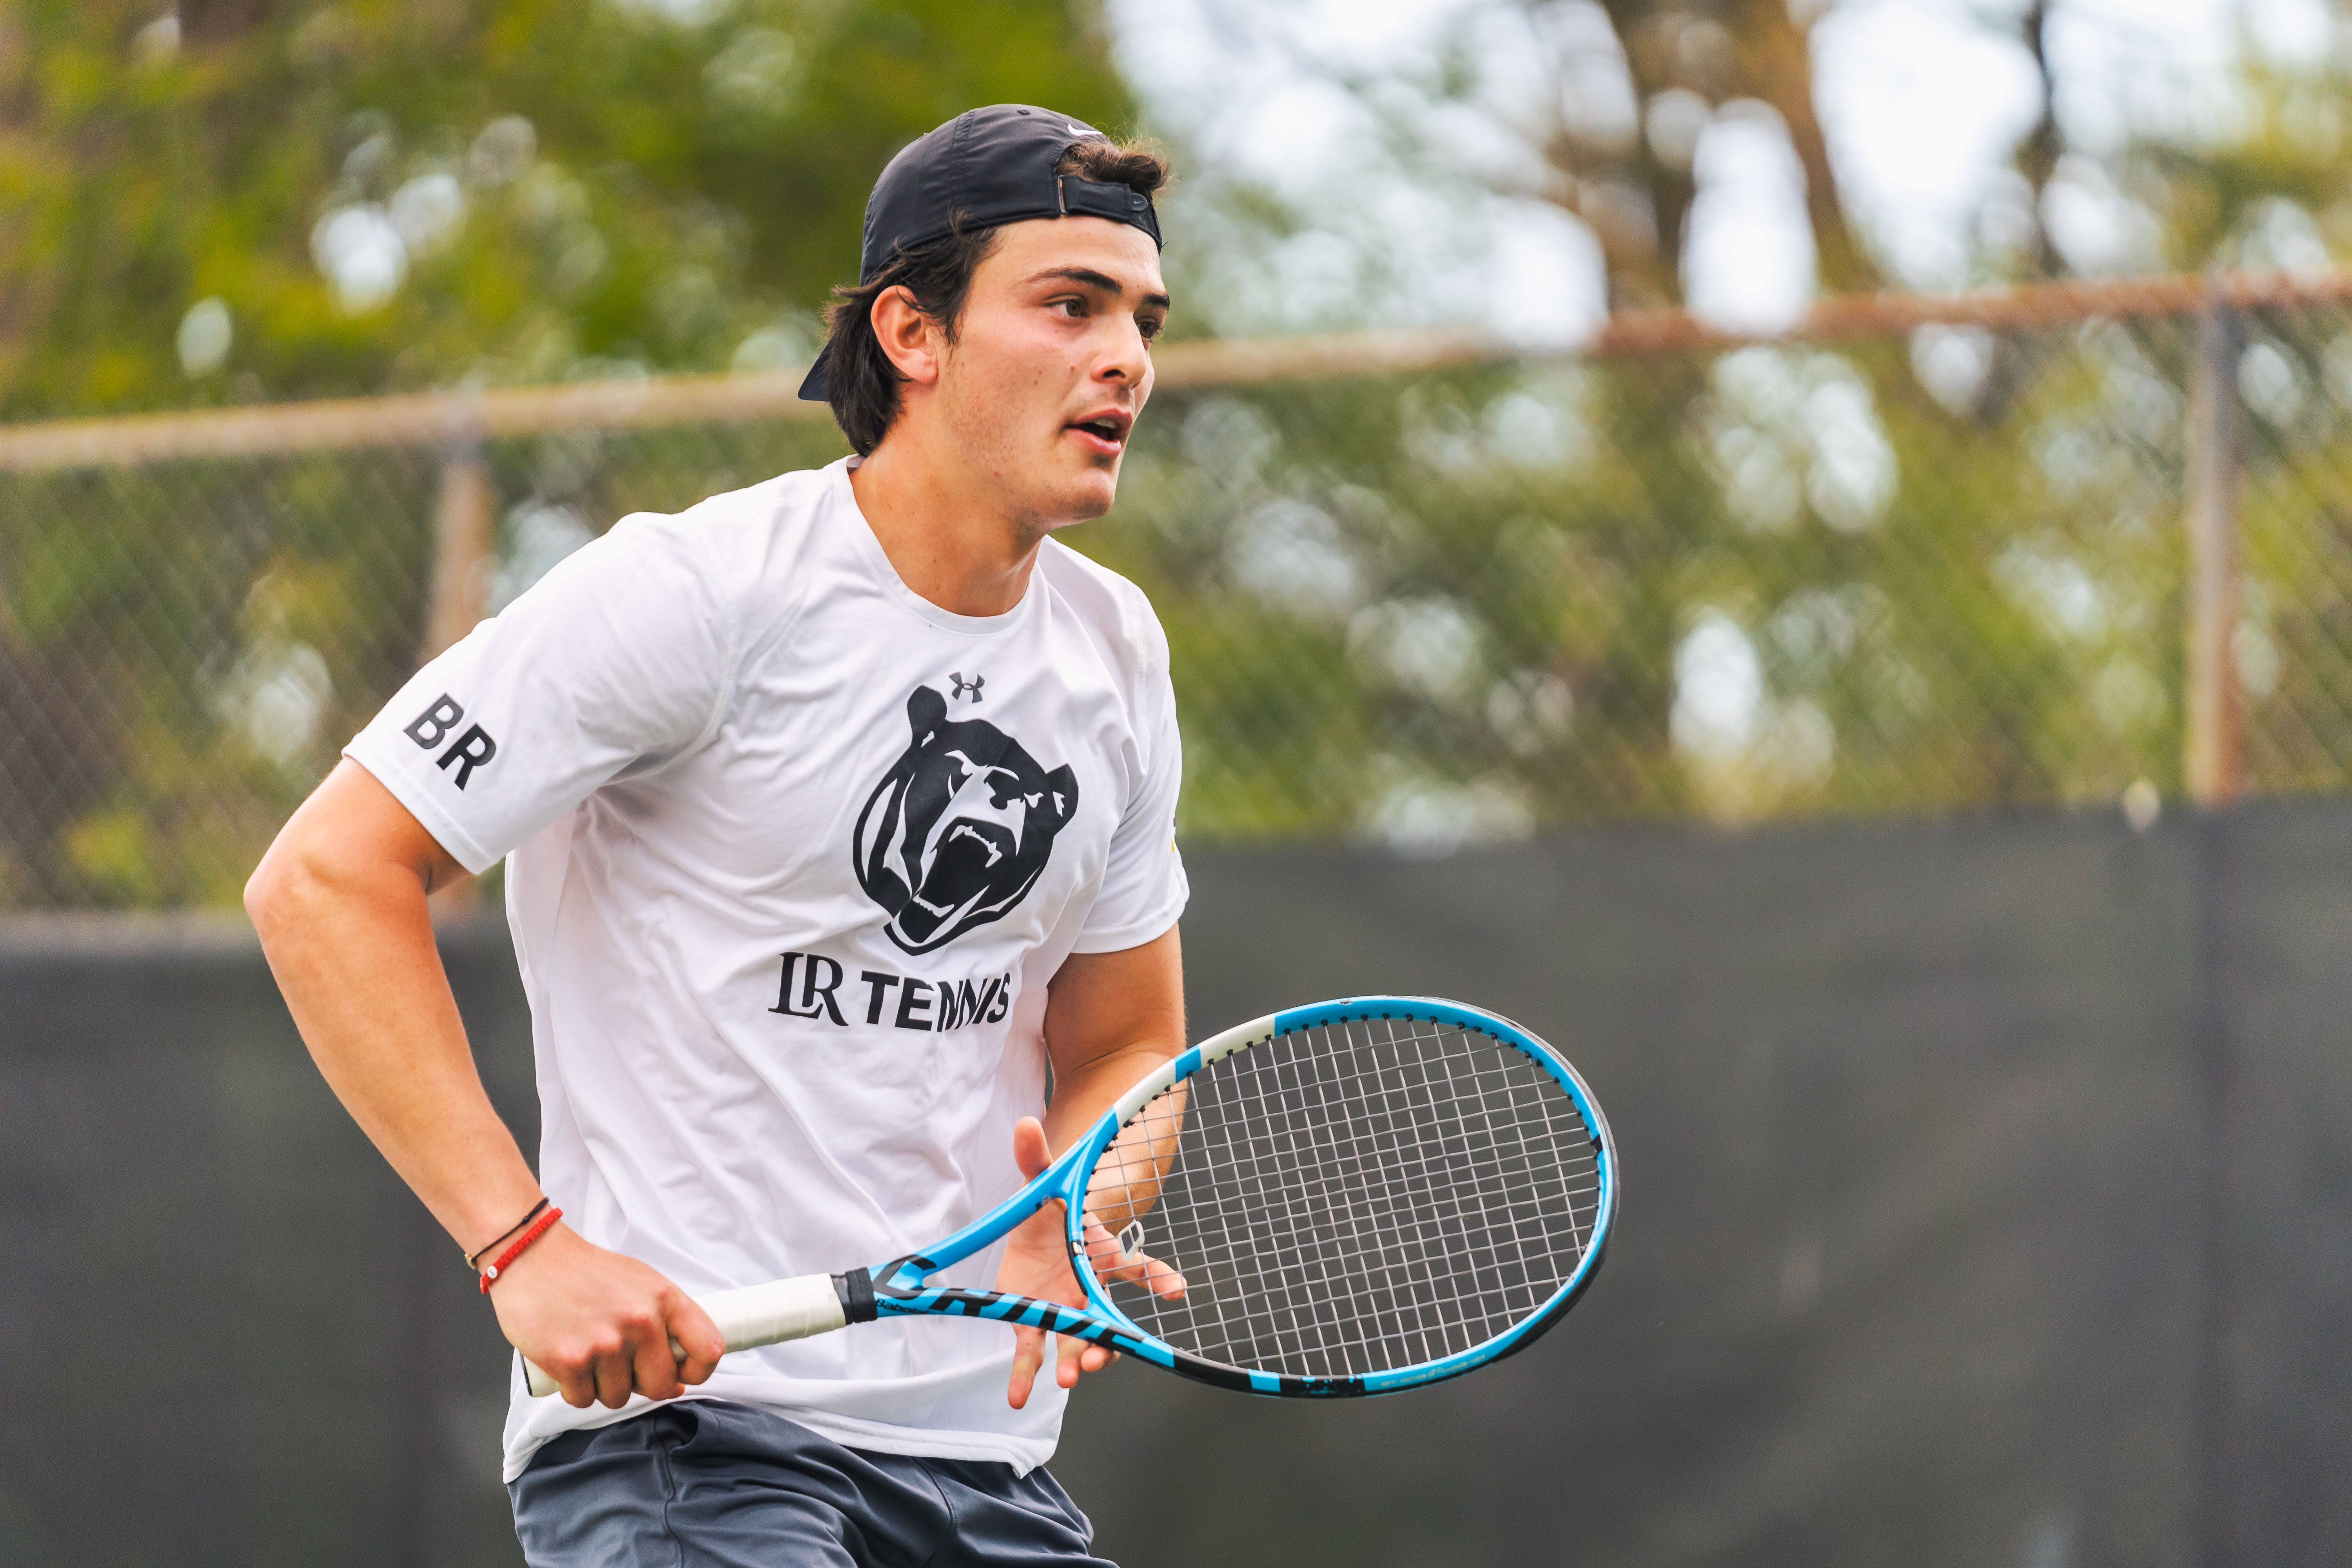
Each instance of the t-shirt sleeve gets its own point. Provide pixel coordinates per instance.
(614, 663)
(1143, 888)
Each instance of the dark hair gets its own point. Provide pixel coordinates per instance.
(861, 384)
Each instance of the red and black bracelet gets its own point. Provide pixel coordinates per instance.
(539, 1229)
(474, 1258)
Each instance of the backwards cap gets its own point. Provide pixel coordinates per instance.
(985, 167)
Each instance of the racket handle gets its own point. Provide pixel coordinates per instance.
(753, 1316)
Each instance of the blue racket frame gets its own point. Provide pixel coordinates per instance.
(901, 1287)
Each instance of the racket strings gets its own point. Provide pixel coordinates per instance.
(1326, 1285)
(1439, 1209)
(1355, 1198)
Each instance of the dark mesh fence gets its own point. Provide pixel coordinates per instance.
(1923, 1258)
(2294, 642)
(229, 1335)
(1988, 1194)
(1907, 564)
(186, 646)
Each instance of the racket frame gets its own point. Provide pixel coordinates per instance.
(901, 1287)
(795, 1308)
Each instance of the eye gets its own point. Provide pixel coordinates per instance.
(1070, 306)
(1149, 327)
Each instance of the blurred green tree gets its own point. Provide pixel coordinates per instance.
(240, 200)
(1898, 575)
(246, 199)
(1938, 571)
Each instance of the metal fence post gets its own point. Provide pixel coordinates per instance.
(2213, 759)
(465, 516)
(465, 542)
(2213, 772)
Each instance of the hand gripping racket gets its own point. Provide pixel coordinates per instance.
(1361, 1197)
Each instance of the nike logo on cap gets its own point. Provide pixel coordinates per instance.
(1079, 130)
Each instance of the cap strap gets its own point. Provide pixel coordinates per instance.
(1097, 198)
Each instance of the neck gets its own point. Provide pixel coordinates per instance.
(955, 549)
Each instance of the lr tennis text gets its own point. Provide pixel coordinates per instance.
(815, 986)
(467, 752)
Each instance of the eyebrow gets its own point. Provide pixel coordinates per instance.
(1102, 280)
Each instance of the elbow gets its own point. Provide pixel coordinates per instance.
(268, 891)
(288, 881)
(346, 854)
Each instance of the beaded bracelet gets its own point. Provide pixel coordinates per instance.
(538, 1229)
(474, 1258)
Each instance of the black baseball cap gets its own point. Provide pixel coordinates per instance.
(986, 167)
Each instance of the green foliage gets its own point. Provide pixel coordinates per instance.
(1911, 575)
(1777, 581)
(1427, 609)
(194, 642)
(185, 649)
(545, 191)
(557, 187)
(2265, 190)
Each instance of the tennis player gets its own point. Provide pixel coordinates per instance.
(837, 818)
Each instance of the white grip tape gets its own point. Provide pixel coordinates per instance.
(753, 1316)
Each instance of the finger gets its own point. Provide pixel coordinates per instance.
(1161, 1279)
(578, 1386)
(650, 1360)
(1155, 1276)
(696, 1335)
(616, 1378)
(1028, 1355)
(1104, 1254)
(1030, 1150)
(1114, 1266)
(1075, 1356)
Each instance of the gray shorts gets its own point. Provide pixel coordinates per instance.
(706, 1484)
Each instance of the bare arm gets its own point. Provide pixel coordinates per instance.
(1110, 1017)
(340, 901)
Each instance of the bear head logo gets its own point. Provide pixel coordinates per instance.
(961, 828)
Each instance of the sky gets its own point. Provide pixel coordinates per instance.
(1921, 100)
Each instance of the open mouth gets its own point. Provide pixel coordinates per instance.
(1105, 432)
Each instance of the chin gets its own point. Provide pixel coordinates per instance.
(1082, 501)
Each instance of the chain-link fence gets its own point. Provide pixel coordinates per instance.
(2052, 545)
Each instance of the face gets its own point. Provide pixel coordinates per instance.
(1052, 365)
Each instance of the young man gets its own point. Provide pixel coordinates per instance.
(836, 811)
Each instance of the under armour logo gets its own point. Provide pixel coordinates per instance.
(958, 685)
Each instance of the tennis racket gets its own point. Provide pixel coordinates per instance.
(1359, 1196)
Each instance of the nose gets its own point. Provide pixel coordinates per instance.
(1124, 357)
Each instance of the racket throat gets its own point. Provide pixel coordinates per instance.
(902, 1277)
(903, 1287)
(856, 1290)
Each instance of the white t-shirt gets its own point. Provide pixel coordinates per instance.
(792, 855)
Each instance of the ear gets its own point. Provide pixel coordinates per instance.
(1062, 786)
(908, 339)
(925, 710)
